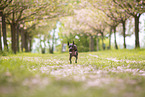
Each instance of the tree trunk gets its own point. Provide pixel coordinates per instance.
(91, 44)
(4, 32)
(116, 47)
(26, 41)
(18, 49)
(13, 37)
(97, 42)
(124, 29)
(137, 45)
(30, 43)
(53, 42)
(109, 47)
(0, 39)
(22, 41)
(103, 45)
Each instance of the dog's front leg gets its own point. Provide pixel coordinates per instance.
(76, 60)
(70, 58)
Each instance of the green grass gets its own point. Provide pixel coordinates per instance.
(51, 75)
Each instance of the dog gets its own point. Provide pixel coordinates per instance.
(73, 51)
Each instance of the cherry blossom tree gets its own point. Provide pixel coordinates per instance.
(0, 40)
(134, 8)
(92, 24)
(4, 4)
(25, 11)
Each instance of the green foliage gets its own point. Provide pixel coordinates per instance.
(6, 52)
(81, 40)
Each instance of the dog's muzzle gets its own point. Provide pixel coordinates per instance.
(70, 49)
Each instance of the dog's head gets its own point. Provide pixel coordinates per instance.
(71, 45)
(72, 49)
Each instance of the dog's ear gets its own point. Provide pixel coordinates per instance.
(73, 43)
(68, 43)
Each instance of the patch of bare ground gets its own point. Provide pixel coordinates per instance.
(6, 89)
(123, 68)
(87, 74)
(115, 60)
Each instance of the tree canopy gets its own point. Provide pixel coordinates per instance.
(90, 17)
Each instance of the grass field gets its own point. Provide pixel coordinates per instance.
(112, 73)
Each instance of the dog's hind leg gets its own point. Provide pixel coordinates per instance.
(76, 59)
(70, 59)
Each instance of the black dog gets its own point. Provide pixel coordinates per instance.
(73, 51)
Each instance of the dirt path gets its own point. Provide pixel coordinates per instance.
(115, 60)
